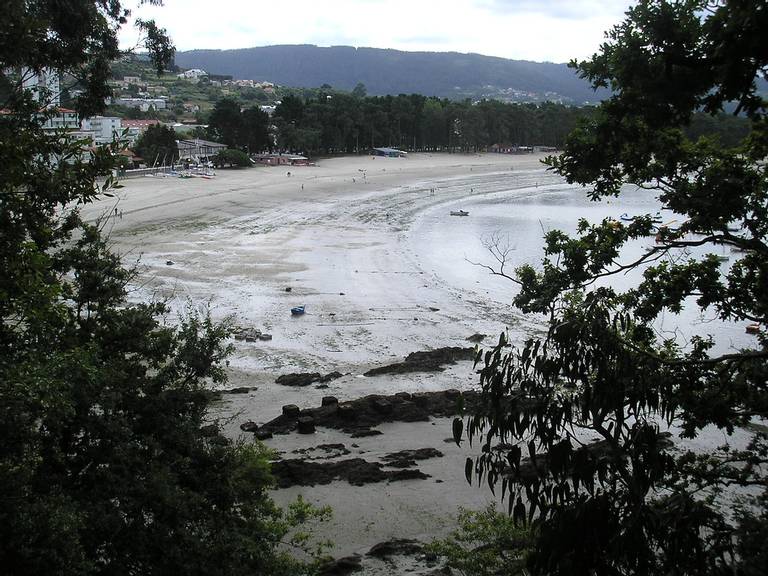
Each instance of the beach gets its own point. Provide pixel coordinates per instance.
(370, 249)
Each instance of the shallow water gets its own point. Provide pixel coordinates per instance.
(456, 250)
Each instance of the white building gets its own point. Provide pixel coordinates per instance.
(194, 74)
(63, 119)
(44, 86)
(103, 129)
(143, 104)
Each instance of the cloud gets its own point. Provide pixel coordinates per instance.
(567, 9)
(553, 30)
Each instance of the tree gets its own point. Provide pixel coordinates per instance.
(486, 543)
(254, 130)
(157, 145)
(359, 91)
(225, 122)
(109, 463)
(591, 410)
(232, 158)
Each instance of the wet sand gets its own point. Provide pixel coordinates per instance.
(339, 236)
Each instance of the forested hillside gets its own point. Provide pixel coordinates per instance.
(444, 74)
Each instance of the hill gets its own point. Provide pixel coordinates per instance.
(444, 74)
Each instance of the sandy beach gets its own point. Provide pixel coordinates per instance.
(369, 247)
(340, 236)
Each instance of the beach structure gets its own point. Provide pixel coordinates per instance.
(281, 159)
(198, 150)
(389, 152)
(510, 149)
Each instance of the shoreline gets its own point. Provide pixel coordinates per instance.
(343, 245)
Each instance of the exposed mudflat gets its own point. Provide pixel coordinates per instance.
(356, 395)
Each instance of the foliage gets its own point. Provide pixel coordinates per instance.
(247, 129)
(224, 122)
(485, 543)
(109, 463)
(157, 145)
(591, 408)
(231, 157)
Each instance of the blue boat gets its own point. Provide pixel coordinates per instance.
(297, 310)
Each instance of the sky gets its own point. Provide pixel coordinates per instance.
(538, 30)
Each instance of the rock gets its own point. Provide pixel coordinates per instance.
(347, 412)
(399, 475)
(262, 434)
(265, 337)
(329, 401)
(330, 376)
(342, 566)
(356, 471)
(247, 334)
(249, 426)
(433, 309)
(321, 386)
(360, 416)
(291, 411)
(241, 390)
(452, 393)
(288, 288)
(477, 338)
(169, 262)
(366, 433)
(407, 458)
(382, 406)
(396, 547)
(306, 425)
(403, 395)
(298, 379)
(428, 361)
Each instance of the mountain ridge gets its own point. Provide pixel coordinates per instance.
(390, 71)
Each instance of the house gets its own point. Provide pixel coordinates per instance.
(143, 104)
(44, 86)
(61, 119)
(137, 127)
(104, 129)
(195, 74)
(389, 152)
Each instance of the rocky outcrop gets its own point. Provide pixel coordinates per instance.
(427, 361)
(306, 378)
(357, 417)
(356, 471)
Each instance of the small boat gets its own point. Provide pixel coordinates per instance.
(753, 329)
(459, 213)
(297, 310)
(626, 217)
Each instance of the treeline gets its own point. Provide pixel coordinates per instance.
(332, 122)
(338, 123)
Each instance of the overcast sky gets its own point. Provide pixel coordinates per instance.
(539, 30)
